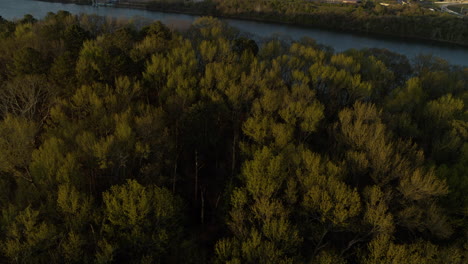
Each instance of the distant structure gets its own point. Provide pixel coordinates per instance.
(351, 1)
(342, 1)
(97, 3)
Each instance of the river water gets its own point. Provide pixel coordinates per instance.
(13, 9)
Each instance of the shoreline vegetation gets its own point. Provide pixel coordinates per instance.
(410, 21)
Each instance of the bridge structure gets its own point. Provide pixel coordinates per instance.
(444, 6)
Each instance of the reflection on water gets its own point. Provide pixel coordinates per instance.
(177, 23)
(11, 9)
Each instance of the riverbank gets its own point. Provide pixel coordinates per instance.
(399, 21)
(78, 2)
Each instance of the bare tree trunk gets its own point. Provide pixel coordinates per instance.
(234, 144)
(320, 244)
(174, 176)
(354, 241)
(233, 154)
(196, 175)
(202, 210)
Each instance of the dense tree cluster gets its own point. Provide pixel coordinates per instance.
(409, 21)
(121, 144)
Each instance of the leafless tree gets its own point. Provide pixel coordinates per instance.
(27, 97)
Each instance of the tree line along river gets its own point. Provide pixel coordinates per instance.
(14, 9)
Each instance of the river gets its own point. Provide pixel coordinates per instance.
(13, 9)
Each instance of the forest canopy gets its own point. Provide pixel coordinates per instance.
(122, 142)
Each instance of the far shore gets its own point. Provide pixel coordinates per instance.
(201, 9)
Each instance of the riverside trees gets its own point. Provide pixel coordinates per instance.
(126, 145)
